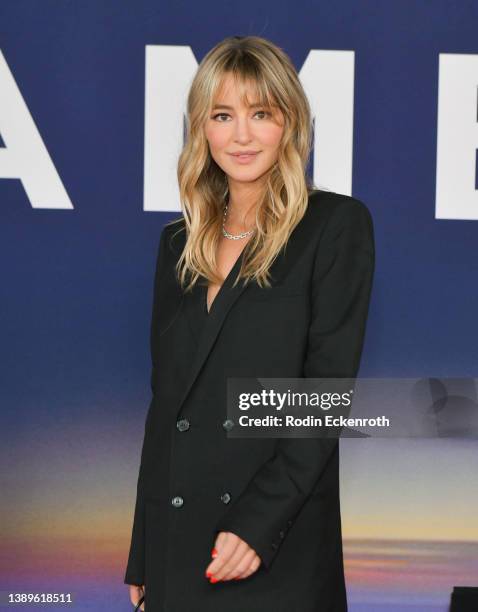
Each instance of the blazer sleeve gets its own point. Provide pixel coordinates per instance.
(341, 286)
(135, 566)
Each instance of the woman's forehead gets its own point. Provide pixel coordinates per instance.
(246, 89)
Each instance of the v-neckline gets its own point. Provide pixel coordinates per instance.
(205, 287)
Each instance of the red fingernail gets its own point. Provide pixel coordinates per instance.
(214, 552)
(208, 574)
(213, 580)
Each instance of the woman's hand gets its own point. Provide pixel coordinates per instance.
(135, 594)
(232, 558)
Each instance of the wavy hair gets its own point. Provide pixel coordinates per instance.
(203, 185)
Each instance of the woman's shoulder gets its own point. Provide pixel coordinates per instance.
(324, 203)
(174, 233)
(337, 215)
(175, 225)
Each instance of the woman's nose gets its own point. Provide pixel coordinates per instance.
(242, 132)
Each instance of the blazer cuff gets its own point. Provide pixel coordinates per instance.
(264, 535)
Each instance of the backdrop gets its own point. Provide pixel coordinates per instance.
(91, 121)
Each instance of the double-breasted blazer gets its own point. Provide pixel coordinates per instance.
(280, 495)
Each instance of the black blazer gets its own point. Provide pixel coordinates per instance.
(279, 495)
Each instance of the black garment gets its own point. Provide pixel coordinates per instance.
(279, 495)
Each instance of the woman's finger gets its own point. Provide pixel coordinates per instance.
(242, 566)
(135, 594)
(232, 567)
(253, 567)
(225, 548)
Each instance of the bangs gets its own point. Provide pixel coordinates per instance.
(252, 85)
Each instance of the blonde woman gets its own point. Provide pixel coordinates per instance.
(262, 276)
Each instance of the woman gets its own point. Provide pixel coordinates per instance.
(247, 525)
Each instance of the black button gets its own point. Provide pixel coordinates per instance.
(177, 501)
(228, 424)
(281, 534)
(182, 425)
(289, 523)
(226, 498)
(274, 546)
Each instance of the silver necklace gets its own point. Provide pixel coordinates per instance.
(233, 236)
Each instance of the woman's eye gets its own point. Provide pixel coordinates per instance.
(220, 115)
(263, 113)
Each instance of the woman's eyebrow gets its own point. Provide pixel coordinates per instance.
(254, 105)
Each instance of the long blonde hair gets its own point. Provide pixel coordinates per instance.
(203, 184)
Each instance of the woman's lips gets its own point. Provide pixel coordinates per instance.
(244, 159)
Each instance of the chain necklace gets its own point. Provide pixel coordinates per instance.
(226, 234)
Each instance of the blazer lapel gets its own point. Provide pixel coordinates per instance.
(207, 332)
(194, 314)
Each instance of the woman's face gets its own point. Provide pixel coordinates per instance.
(234, 128)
